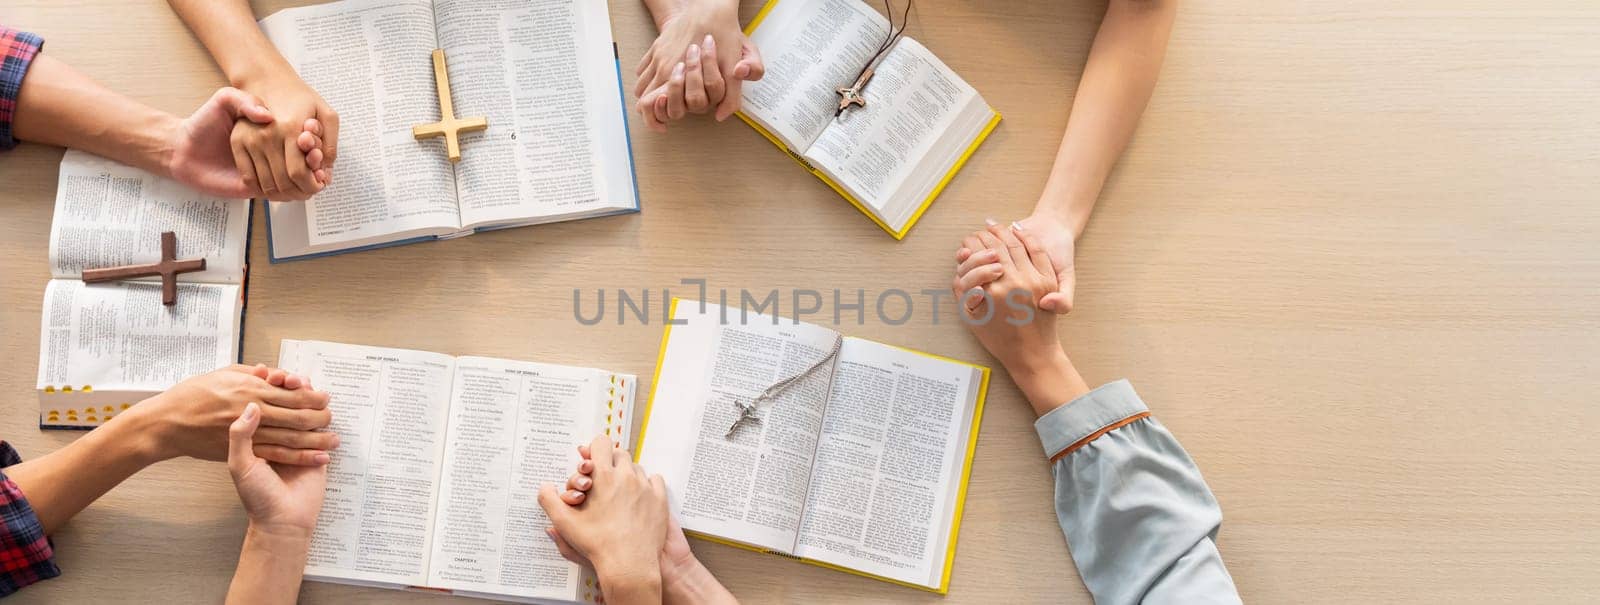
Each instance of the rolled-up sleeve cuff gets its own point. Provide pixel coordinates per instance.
(1069, 427)
(26, 555)
(17, 50)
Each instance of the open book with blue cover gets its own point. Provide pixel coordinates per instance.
(545, 74)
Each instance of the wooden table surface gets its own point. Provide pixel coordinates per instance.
(1351, 260)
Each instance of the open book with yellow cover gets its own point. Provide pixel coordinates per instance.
(860, 464)
(890, 158)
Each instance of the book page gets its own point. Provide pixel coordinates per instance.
(109, 215)
(389, 410)
(751, 486)
(513, 426)
(544, 73)
(117, 336)
(811, 48)
(912, 101)
(889, 462)
(371, 61)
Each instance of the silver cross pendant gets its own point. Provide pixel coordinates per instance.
(747, 412)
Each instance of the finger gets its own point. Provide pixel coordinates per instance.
(586, 467)
(647, 79)
(992, 242)
(971, 242)
(675, 103)
(276, 376)
(602, 453)
(300, 399)
(247, 169)
(978, 259)
(644, 61)
(1014, 247)
(330, 137)
(647, 109)
(300, 440)
(979, 276)
(658, 485)
(578, 482)
(277, 161)
(241, 104)
(305, 141)
(289, 455)
(750, 66)
(716, 89)
(583, 451)
(550, 501)
(314, 162)
(322, 176)
(962, 254)
(730, 99)
(566, 550)
(263, 173)
(661, 104)
(302, 420)
(573, 497)
(694, 83)
(299, 168)
(240, 454)
(623, 460)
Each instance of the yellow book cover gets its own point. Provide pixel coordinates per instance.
(689, 352)
(941, 150)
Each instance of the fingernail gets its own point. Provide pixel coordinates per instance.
(677, 70)
(250, 410)
(1016, 226)
(321, 458)
(694, 52)
(335, 444)
(574, 494)
(709, 43)
(741, 70)
(990, 222)
(583, 482)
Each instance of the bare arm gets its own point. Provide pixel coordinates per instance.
(228, 30)
(1116, 85)
(60, 106)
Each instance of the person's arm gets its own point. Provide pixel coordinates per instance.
(1136, 513)
(29, 557)
(1116, 85)
(283, 503)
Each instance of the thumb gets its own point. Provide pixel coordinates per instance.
(550, 501)
(750, 67)
(241, 104)
(1060, 301)
(240, 434)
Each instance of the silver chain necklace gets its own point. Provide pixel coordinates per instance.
(748, 410)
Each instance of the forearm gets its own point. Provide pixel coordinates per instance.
(1117, 82)
(58, 105)
(692, 583)
(271, 566)
(229, 31)
(60, 484)
(662, 10)
(642, 588)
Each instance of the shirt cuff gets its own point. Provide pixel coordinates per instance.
(1069, 427)
(26, 555)
(17, 50)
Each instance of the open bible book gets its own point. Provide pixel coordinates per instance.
(104, 347)
(545, 74)
(435, 482)
(890, 158)
(861, 464)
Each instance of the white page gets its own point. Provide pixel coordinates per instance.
(871, 151)
(811, 48)
(108, 215)
(371, 61)
(389, 410)
(889, 462)
(544, 73)
(750, 488)
(118, 336)
(513, 426)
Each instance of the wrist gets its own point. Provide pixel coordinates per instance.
(688, 581)
(1047, 378)
(629, 584)
(278, 540)
(269, 72)
(139, 434)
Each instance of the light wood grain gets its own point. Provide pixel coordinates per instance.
(1351, 260)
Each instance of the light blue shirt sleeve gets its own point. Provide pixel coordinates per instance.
(1138, 517)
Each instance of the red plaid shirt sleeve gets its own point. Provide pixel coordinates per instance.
(25, 553)
(17, 50)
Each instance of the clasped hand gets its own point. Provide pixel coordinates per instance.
(235, 146)
(697, 64)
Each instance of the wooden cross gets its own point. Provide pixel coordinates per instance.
(168, 269)
(449, 126)
(851, 95)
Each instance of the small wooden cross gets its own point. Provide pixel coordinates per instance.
(168, 269)
(449, 126)
(851, 95)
